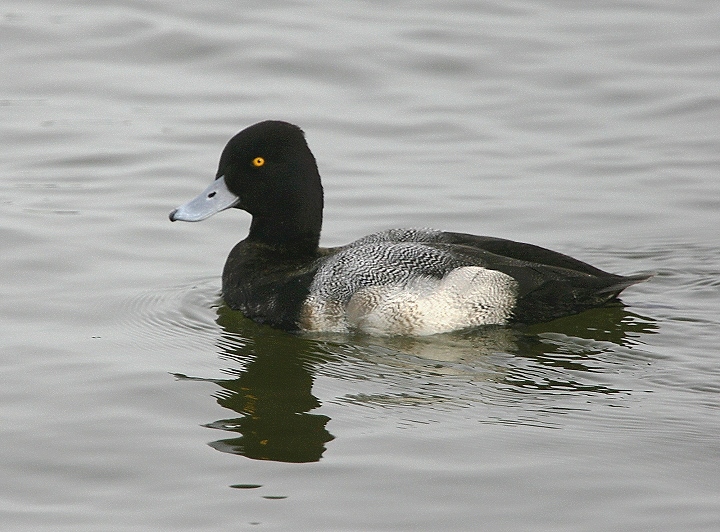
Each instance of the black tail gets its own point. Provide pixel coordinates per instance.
(623, 282)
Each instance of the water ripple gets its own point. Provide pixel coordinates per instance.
(183, 313)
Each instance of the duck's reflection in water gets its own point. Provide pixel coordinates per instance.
(271, 390)
(272, 373)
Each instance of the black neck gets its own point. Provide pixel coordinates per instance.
(293, 233)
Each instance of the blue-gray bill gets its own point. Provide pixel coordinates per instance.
(215, 198)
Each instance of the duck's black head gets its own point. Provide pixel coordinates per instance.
(267, 170)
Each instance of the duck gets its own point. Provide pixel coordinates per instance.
(412, 282)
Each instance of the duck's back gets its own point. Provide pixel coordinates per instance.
(414, 281)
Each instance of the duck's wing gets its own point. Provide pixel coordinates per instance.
(523, 252)
(613, 284)
(550, 284)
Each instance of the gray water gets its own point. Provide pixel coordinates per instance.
(132, 399)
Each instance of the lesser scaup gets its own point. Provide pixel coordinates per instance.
(399, 281)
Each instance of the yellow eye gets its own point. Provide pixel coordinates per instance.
(258, 162)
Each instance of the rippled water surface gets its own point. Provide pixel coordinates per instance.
(133, 399)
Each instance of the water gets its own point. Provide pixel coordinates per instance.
(133, 399)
